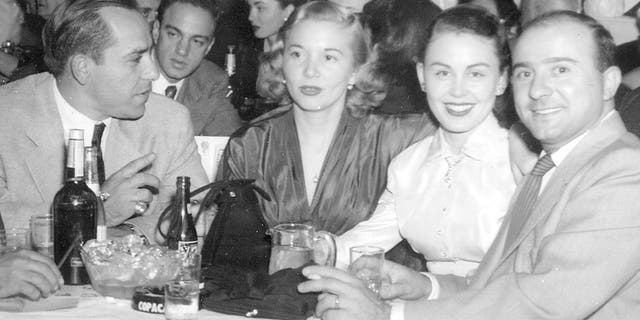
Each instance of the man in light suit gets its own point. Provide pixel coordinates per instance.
(576, 254)
(183, 35)
(99, 54)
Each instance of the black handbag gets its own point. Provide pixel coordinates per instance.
(235, 259)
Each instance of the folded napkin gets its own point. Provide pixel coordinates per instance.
(67, 297)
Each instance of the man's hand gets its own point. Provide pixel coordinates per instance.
(343, 295)
(28, 274)
(128, 186)
(400, 282)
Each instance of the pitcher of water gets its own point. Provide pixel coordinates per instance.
(294, 244)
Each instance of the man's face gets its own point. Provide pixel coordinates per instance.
(46, 7)
(121, 84)
(148, 9)
(353, 5)
(183, 38)
(558, 90)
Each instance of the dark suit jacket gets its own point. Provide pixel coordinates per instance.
(203, 93)
(577, 255)
(32, 150)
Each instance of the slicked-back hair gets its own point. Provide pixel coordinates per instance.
(209, 6)
(77, 27)
(605, 47)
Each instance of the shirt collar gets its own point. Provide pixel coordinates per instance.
(160, 85)
(559, 155)
(480, 145)
(73, 119)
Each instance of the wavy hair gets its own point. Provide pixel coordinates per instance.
(369, 89)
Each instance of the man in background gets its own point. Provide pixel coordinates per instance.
(183, 36)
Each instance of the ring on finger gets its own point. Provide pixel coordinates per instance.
(140, 207)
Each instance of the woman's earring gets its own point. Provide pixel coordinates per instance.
(284, 81)
(500, 90)
(423, 86)
(350, 86)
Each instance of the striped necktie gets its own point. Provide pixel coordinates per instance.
(96, 141)
(527, 197)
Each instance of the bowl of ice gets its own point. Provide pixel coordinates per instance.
(117, 267)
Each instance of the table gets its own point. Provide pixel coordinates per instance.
(94, 306)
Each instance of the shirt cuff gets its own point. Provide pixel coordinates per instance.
(397, 310)
(435, 286)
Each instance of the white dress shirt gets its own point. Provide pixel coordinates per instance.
(449, 207)
(160, 85)
(73, 119)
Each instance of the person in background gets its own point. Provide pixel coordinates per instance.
(99, 54)
(448, 193)
(397, 26)
(322, 159)
(355, 6)
(46, 7)
(268, 16)
(570, 245)
(530, 9)
(183, 35)
(149, 10)
(11, 19)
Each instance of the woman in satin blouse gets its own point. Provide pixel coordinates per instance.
(323, 158)
(447, 194)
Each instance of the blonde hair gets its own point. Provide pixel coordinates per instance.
(369, 88)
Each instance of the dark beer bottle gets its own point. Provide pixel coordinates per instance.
(182, 236)
(74, 214)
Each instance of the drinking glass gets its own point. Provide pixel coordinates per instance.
(42, 234)
(14, 239)
(181, 299)
(366, 264)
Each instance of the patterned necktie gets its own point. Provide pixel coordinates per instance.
(527, 197)
(171, 91)
(96, 140)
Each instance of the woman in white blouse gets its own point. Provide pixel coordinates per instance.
(447, 194)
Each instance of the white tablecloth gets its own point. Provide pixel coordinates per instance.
(92, 306)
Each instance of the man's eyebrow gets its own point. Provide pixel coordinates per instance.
(173, 28)
(546, 61)
(137, 52)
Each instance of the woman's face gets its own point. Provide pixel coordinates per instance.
(462, 77)
(267, 16)
(318, 64)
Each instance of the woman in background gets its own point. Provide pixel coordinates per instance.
(323, 159)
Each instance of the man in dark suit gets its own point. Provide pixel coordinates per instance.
(99, 54)
(183, 36)
(569, 247)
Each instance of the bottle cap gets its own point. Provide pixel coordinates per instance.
(76, 134)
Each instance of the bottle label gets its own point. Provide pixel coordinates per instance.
(76, 262)
(188, 247)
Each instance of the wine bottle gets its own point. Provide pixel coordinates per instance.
(74, 215)
(230, 66)
(93, 182)
(182, 235)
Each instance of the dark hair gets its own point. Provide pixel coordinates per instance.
(477, 21)
(294, 3)
(605, 47)
(508, 13)
(367, 92)
(208, 5)
(472, 20)
(76, 27)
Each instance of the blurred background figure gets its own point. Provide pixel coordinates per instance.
(533, 8)
(148, 9)
(397, 27)
(45, 7)
(354, 6)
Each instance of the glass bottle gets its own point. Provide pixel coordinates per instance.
(93, 182)
(182, 235)
(74, 215)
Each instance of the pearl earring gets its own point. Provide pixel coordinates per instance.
(350, 86)
(284, 81)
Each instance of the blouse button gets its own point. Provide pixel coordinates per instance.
(443, 252)
(439, 231)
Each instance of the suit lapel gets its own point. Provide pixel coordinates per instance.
(123, 145)
(45, 140)
(596, 140)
